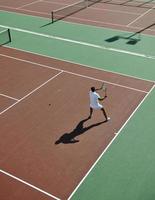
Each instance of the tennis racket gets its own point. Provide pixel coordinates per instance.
(104, 88)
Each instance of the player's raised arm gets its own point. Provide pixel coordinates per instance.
(104, 88)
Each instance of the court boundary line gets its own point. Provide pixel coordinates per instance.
(75, 23)
(95, 8)
(141, 16)
(108, 23)
(108, 145)
(9, 97)
(71, 17)
(94, 164)
(84, 65)
(34, 90)
(47, 2)
(115, 11)
(76, 74)
(28, 4)
(28, 184)
(70, 22)
(152, 57)
(52, 2)
(113, 29)
(105, 150)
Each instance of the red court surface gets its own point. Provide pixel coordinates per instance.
(30, 128)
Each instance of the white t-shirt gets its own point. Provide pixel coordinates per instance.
(94, 102)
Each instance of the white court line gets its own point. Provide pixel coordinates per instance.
(28, 4)
(94, 8)
(28, 184)
(49, 15)
(116, 135)
(32, 186)
(142, 15)
(27, 61)
(82, 43)
(52, 2)
(4, 95)
(32, 92)
(114, 11)
(64, 4)
(83, 65)
(105, 23)
(91, 8)
(5, 172)
(14, 177)
(70, 17)
(81, 19)
(96, 79)
(84, 76)
(9, 107)
(101, 155)
(42, 191)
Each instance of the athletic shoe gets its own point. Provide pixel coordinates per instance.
(107, 119)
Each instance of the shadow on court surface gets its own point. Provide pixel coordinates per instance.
(130, 39)
(47, 24)
(79, 129)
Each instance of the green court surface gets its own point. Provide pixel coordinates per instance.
(88, 48)
(126, 170)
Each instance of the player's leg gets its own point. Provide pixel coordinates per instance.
(105, 92)
(91, 112)
(105, 115)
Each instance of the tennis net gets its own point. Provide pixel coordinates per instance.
(71, 9)
(5, 37)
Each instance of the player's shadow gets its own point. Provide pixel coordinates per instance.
(79, 129)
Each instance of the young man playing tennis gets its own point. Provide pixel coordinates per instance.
(94, 102)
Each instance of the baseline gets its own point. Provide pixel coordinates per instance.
(112, 141)
(89, 77)
(37, 135)
(28, 184)
(152, 57)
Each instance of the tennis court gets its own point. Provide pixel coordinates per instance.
(49, 148)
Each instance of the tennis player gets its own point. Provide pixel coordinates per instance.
(94, 103)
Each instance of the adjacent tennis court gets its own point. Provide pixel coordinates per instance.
(49, 148)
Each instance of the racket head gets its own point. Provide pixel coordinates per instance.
(103, 86)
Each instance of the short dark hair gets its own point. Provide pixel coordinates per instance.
(93, 89)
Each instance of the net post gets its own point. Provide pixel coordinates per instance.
(52, 16)
(9, 34)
